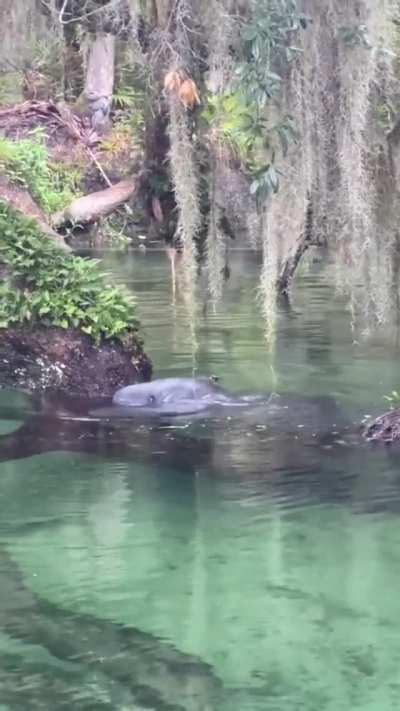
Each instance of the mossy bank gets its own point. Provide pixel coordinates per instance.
(63, 327)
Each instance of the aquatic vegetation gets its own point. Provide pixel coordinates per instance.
(47, 287)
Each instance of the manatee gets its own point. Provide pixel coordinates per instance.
(177, 396)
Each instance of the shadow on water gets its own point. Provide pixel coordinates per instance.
(120, 665)
(90, 663)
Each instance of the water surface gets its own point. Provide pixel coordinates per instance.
(214, 565)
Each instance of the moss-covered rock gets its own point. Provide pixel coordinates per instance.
(63, 326)
(68, 362)
(47, 287)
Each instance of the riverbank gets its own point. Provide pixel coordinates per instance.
(69, 362)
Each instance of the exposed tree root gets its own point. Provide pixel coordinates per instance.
(289, 267)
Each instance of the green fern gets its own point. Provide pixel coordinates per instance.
(51, 288)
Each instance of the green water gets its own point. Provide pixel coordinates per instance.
(269, 556)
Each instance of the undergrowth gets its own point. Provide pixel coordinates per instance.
(27, 164)
(10, 90)
(50, 288)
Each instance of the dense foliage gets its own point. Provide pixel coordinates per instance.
(27, 164)
(244, 113)
(54, 289)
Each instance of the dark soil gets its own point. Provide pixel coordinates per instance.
(67, 362)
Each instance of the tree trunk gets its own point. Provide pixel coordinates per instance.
(163, 9)
(21, 201)
(90, 208)
(73, 74)
(99, 82)
(292, 259)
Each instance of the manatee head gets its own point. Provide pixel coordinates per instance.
(141, 395)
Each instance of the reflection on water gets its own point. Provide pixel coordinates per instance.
(235, 564)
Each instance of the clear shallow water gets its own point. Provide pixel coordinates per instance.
(270, 555)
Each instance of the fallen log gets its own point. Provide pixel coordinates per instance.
(90, 208)
(21, 201)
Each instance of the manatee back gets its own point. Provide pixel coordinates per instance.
(163, 390)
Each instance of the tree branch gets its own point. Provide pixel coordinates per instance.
(90, 208)
(81, 18)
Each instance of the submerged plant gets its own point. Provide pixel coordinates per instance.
(49, 288)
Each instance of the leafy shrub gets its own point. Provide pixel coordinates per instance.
(265, 45)
(129, 100)
(51, 288)
(251, 138)
(240, 117)
(27, 164)
(48, 59)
